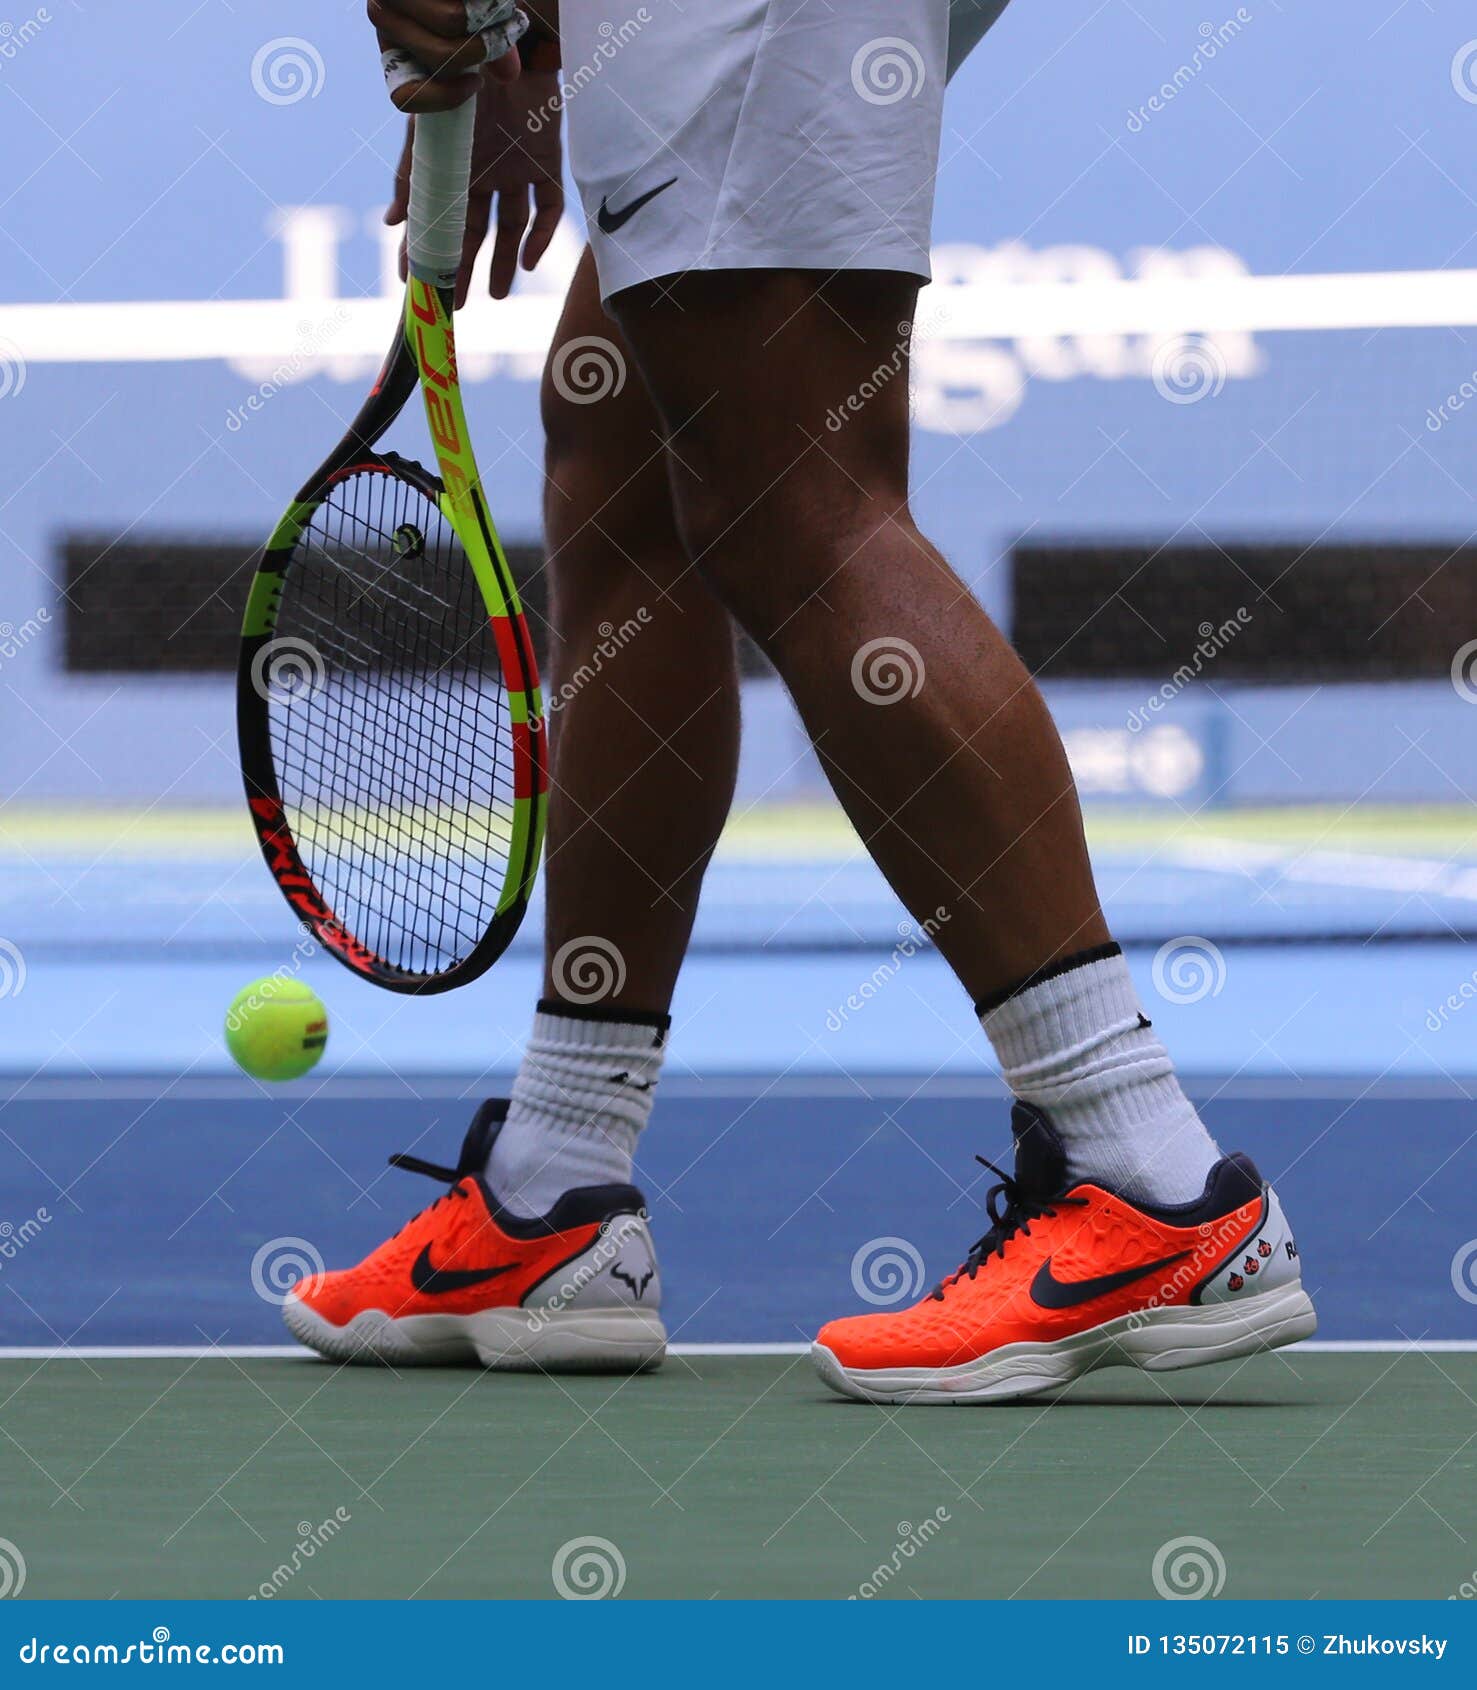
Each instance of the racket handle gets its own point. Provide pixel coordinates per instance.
(440, 167)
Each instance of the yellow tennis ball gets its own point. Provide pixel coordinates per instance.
(276, 1029)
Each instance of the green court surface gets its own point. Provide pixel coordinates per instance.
(1306, 1474)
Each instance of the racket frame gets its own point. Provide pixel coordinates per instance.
(423, 352)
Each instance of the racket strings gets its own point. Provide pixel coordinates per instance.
(394, 750)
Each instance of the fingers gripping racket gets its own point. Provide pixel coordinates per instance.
(391, 731)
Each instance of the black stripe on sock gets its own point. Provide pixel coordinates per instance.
(660, 1024)
(1078, 959)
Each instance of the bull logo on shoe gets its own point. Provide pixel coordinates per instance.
(638, 1286)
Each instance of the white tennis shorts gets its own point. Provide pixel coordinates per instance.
(759, 134)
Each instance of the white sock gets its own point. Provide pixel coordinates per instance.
(1078, 1045)
(582, 1095)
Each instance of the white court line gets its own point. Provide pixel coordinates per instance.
(276, 1352)
(16, 1088)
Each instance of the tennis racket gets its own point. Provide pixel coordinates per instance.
(391, 732)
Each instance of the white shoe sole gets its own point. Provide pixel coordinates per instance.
(1156, 1340)
(512, 1340)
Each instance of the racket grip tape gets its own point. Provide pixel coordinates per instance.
(440, 166)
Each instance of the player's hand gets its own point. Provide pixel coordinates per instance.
(435, 34)
(516, 151)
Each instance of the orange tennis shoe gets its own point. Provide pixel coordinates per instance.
(576, 1290)
(1068, 1279)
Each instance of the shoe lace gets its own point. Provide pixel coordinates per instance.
(1011, 1210)
(450, 1177)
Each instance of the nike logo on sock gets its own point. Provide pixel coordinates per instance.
(436, 1282)
(624, 1078)
(1049, 1292)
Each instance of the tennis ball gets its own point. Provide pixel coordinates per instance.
(276, 1029)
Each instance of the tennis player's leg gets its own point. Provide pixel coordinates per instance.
(760, 226)
(642, 701)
